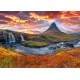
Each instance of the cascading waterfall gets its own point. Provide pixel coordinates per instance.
(77, 45)
(22, 38)
(11, 38)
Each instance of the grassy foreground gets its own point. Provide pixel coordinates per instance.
(63, 59)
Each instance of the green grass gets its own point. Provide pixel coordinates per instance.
(5, 63)
(35, 44)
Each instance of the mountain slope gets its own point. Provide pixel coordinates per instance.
(53, 26)
(53, 29)
(55, 32)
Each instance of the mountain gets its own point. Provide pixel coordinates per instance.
(53, 31)
(53, 26)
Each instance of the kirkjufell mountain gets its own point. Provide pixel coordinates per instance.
(53, 29)
(53, 26)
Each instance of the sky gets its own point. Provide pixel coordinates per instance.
(36, 22)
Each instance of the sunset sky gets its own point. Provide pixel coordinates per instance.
(39, 21)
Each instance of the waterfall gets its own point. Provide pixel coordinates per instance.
(77, 45)
(11, 38)
(22, 38)
(79, 42)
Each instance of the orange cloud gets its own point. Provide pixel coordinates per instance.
(70, 22)
(66, 17)
(40, 17)
(30, 32)
(4, 21)
(63, 14)
(47, 16)
(70, 14)
(15, 20)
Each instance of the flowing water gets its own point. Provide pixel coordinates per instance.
(11, 38)
(22, 38)
(78, 44)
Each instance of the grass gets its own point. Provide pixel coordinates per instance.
(35, 44)
(66, 59)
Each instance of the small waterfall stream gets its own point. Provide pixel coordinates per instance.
(11, 38)
(77, 45)
(22, 38)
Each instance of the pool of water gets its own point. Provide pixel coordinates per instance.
(36, 51)
(51, 49)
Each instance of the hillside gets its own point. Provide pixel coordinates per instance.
(62, 59)
(53, 31)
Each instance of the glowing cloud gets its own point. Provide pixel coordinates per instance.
(32, 22)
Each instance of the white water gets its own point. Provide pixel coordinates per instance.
(22, 38)
(11, 38)
(77, 45)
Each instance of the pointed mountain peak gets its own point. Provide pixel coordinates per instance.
(53, 26)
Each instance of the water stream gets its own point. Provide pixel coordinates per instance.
(22, 38)
(11, 38)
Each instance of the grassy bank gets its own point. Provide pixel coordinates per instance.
(34, 44)
(65, 59)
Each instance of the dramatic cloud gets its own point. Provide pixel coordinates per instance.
(39, 21)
